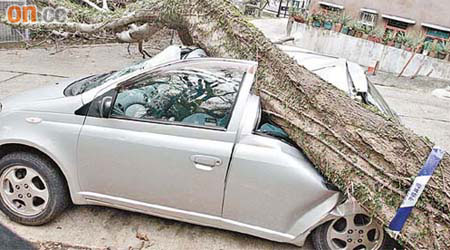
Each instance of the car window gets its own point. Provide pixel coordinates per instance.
(200, 96)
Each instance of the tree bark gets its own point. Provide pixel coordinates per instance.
(366, 155)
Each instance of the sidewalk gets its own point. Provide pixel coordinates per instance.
(23, 69)
(419, 83)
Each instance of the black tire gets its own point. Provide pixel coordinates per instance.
(319, 238)
(58, 194)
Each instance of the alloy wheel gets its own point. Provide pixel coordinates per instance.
(355, 232)
(23, 190)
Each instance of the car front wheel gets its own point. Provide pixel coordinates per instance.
(352, 232)
(32, 190)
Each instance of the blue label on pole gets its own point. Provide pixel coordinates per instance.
(416, 190)
(400, 218)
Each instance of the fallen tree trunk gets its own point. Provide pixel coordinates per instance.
(367, 156)
(363, 153)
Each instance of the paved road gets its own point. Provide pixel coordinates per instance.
(422, 112)
(10, 241)
(98, 227)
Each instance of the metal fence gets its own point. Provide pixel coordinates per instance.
(7, 34)
(280, 8)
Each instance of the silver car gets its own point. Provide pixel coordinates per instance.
(179, 136)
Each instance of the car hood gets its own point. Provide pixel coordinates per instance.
(36, 99)
(53, 91)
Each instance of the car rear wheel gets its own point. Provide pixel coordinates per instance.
(32, 190)
(352, 232)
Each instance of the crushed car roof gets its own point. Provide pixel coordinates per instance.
(347, 76)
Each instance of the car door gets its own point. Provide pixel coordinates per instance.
(167, 141)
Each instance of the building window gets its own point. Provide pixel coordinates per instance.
(301, 4)
(369, 19)
(438, 34)
(331, 7)
(397, 24)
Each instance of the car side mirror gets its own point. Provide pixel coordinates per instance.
(105, 107)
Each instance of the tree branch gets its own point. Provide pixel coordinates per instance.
(105, 5)
(93, 5)
(115, 24)
(137, 33)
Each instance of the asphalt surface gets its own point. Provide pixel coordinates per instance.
(11, 241)
(422, 112)
(90, 227)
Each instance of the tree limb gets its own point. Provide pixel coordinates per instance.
(133, 34)
(95, 6)
(105, 5)
(137, 33)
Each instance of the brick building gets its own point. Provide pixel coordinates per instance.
(429, 16)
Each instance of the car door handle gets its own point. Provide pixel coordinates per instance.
(206, 163)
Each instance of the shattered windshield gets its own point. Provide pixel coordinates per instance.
(128, 70)
(91, 82)
(86, 84)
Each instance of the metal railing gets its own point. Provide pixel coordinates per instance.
(8, 34)
(280, 8)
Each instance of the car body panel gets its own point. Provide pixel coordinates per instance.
(158, 169)
(45, 134)
(359, 78)
(45, 99)
(191, 217)
(254, 189)
(53, 91)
